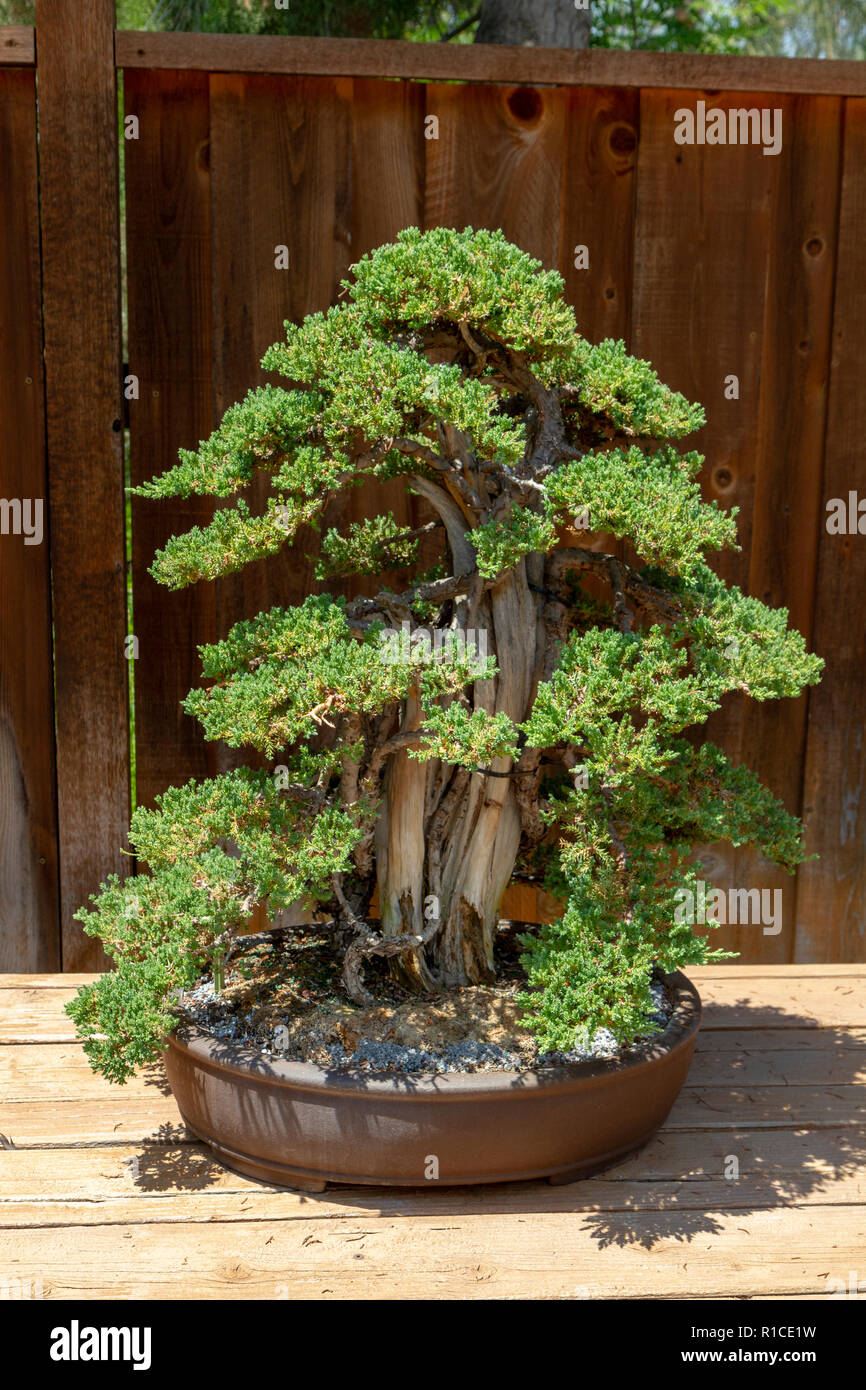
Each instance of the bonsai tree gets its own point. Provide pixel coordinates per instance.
(519, 704)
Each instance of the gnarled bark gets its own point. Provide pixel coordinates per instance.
(548, 23)
(447, 838)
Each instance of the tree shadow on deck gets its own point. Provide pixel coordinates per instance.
(756, 1128)
(173, 1160)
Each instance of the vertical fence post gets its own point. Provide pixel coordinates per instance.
(78, 133)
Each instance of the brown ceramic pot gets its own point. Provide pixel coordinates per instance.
(300, 1125)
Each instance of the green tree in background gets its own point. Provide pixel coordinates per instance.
(381, 19)
(817, 29)
(788, 28)
(708, 26)
(692, 26)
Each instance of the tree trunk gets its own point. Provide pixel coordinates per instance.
(447, 838)
(543, 23)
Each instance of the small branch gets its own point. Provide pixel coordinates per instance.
(313, 796)
(621, 610)
(407, 738)
(460, 28)
(435, 591)
(416, 449)
(657, 601)
(252, 940)
(413, 535)
(470, 342)
(528, 484)
(319, 712)
(515, 772)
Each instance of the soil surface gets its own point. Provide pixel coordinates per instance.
(286, 998)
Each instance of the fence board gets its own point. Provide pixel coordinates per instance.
(29, 904)
(168, 267)
(280, 152)
(831, 917)
(497, 163)
(787, 503)
(17, 46)
(597, 210)
(81, 288)
(387, 195)
(476, 62)
(702, 228)
(388, 150)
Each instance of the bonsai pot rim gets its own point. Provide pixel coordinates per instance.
(214, 1081)
(246, 1061)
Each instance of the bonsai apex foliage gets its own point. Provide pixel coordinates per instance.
(429, 773)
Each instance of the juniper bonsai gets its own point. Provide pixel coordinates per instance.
(521, 703)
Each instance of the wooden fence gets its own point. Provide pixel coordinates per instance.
(711, 261)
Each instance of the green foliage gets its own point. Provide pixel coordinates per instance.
(376, 19)
(454, 364)
(267, 424)
(627, 390)
(687, 26)
(815, 29)
(583, 980)
(371, 546)
(464, 739)
(476, 278)
(743, 643)
(277, 675)
(215, 849)
(281, 849)
(123, 1017)
(501, 544)
(649, 499)
(625, 852)
(376, 387)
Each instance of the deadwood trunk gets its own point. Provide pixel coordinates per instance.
(448, 837)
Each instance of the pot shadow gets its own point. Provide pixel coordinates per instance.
(173, 1159)
(730, 1147)
(154, 1075)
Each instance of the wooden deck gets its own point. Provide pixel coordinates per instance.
(103, 1195)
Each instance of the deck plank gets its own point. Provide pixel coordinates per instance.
(677, 1172)
(480, 1256)
(791, 1161)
